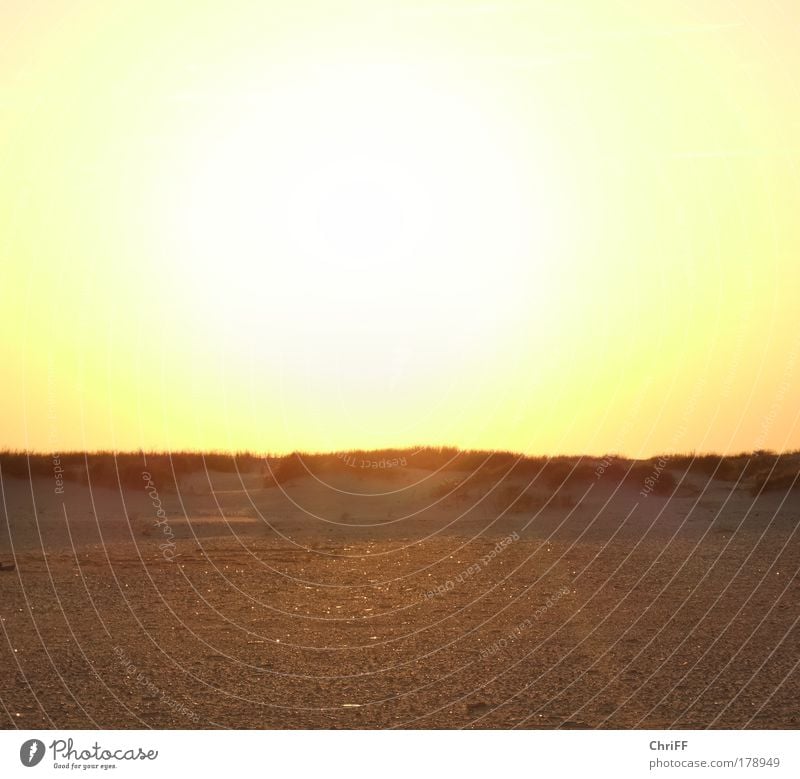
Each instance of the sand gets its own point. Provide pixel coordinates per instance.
(375, 600)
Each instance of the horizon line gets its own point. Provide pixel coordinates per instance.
(454, 450)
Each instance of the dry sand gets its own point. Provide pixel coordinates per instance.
(366, 600)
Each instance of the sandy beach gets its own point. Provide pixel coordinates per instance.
(403, 598)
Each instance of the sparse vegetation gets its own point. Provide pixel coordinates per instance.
(115, 469)
(758, 471)
(778, 478)
(290, 467)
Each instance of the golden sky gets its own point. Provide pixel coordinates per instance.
(541, 226)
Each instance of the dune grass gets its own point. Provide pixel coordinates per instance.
(759, 471)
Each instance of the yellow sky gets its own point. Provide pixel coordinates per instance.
(547, 227)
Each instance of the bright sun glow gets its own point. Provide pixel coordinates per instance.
(391, 206)
(547, 227)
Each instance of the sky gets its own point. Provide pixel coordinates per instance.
(544, 227)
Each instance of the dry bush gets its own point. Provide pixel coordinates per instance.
(665, 483)
(567, 472)
(784, 479)
(734, 467)
(656, 476)
(23, 466)
(292, 466)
